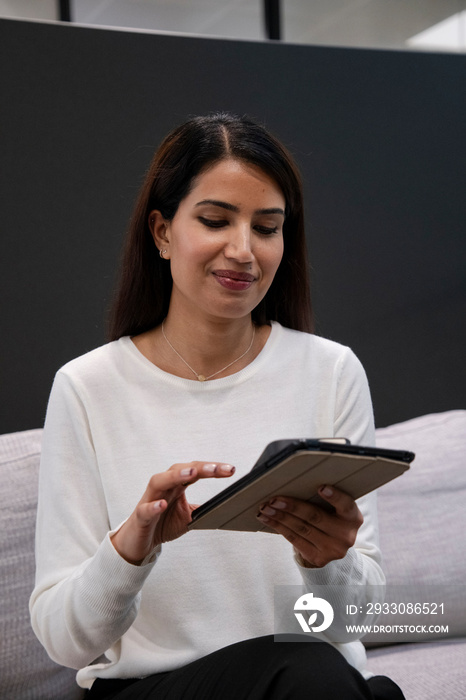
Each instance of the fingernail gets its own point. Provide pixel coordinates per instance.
(186, 472)
(326, 491)
(278, 504)
(228, 468)
(267, 510)
(262, 518)
(209, 468)
(157, 505)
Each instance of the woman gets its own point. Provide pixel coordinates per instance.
(211, 358)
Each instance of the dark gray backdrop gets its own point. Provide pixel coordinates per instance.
(379, 137)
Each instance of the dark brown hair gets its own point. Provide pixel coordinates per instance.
(145, 284)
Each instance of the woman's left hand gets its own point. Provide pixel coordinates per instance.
(318, 536)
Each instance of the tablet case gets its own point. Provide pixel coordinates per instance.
(298, 468)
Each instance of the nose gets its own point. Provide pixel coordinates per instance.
(239, 244)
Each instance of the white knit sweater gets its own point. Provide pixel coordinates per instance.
(113, 420)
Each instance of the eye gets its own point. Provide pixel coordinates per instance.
(266, 230)
(213, 223)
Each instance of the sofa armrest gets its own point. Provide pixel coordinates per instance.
(26, 671)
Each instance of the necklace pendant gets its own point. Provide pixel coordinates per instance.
(201, 377)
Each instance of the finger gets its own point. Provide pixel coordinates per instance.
(306, 547)
(308, 520)
(172, 482)
(308, 527)
(161, 485)
(345, 506)
(298, 514)
(314, 546)
(204, 469)
(147, 514)
(216, 469)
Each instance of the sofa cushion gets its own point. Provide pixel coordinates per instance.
(26, 672)
(422, 518)
(424, 671)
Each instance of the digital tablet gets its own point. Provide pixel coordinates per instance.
(298, 468)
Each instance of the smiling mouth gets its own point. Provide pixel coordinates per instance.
(234, 275)
(234, 280)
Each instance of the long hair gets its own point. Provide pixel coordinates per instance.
(145, 284)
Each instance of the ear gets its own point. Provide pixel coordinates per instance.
(159, 228)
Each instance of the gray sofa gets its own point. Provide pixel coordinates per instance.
(422, 529)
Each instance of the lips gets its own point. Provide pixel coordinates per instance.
(235, 275)
(234, 280)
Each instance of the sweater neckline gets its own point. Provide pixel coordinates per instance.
(128, 346)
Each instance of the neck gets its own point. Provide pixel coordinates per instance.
(208, 347)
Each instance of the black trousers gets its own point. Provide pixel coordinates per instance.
(256, 669)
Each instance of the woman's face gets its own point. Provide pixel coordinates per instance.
(225, 241)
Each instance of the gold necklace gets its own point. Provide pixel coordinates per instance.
(201, 377)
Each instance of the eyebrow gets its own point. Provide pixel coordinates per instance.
(232, 207)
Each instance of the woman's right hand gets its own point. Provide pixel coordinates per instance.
(163, 513)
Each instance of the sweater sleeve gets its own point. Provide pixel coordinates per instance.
(358, 577)
(86, 596)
